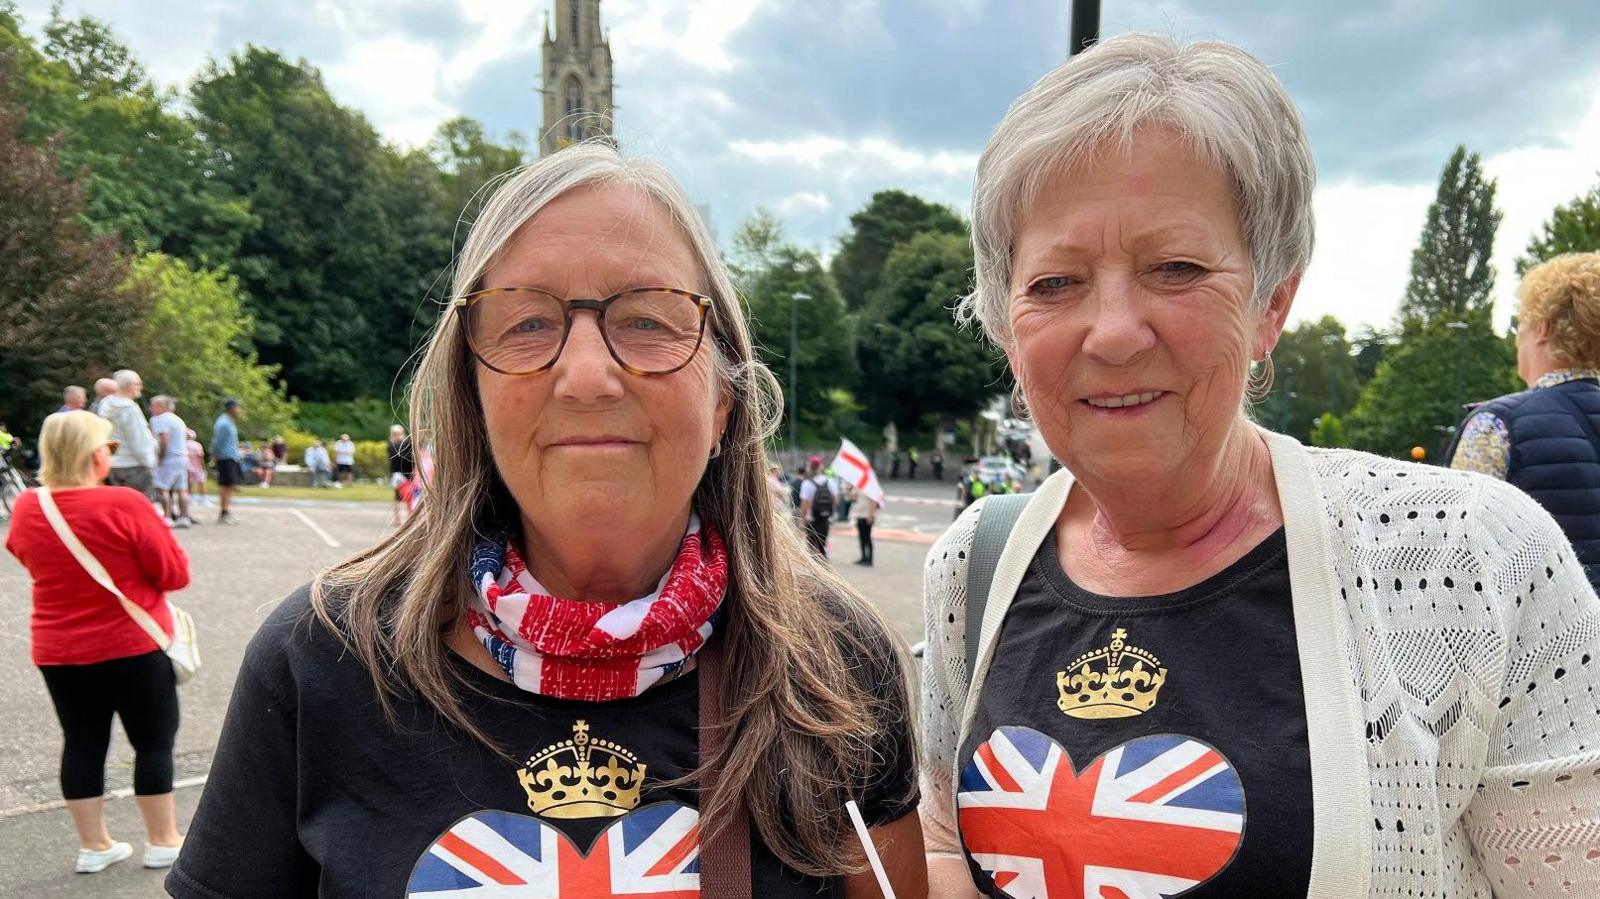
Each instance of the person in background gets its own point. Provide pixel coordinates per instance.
(795, 483)
(96, 661)
(172, 450)
(317, 463)
(778, 485)
(266, 463)
(936, 459)
(864, 522)
(818, 498)
(894, 465)
(103, 387)
(280, 449)
(72, 399)
(847, 496)
(402, 464)
(225, 450)
(344, 460)
(197, 468)
(911, 463)
(135, 462)
(1544, 439)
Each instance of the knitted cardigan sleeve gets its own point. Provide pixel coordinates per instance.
(944, 678)
(1534, 820)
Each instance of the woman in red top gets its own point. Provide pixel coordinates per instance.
(95, 660)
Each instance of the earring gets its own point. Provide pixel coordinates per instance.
(1258, 383)
(716, 448)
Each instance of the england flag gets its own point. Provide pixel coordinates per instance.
(852, 467)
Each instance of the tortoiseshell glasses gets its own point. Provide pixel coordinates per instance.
(522, 330)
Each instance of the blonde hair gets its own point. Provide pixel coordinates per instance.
(1230, 108)
(1563, 294)
(801, 739)
(67, 442)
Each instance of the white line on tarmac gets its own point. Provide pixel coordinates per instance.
(326, 537)
(120, 793)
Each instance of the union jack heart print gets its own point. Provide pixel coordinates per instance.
(651, 853)
(1149, 819)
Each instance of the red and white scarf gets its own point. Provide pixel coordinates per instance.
(593, 651)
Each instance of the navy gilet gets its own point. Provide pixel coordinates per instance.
(1555, 458)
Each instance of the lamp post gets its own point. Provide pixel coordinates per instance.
(794, 346)
(1460, 328)
(1085, 25)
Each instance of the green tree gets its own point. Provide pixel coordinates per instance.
(757, 246)
(195, 344)
(1418, 394)
(64, 304)
(1315, 373)
(889, 219)
(916, 367)
(1451, 275)
(468, 161)
(824, 359)
(328, 263)
(1329, 431)
(147, 174)
(1572, 228)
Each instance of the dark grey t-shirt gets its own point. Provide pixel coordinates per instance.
(314, 793)
(1145, 746)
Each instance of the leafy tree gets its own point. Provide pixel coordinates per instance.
(757, 246)
(64, 304)
(824, 360)
(889, 219)
(914, 365)
(1418, 394)
(1315, 374)
(1329, 431)
(147, 175)
(195, 345)
(329, 263)
(1451, 275)
(1369, 345)
(468, 161)
(1573, 228)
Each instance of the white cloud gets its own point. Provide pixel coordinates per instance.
(802, 202)
(695, 32)
(818, 151)
(396, 83)
(1366, 232)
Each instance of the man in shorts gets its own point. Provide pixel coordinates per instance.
(172, 460)
(225, 449)
(344, 460)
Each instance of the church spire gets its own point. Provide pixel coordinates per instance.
(576, 76)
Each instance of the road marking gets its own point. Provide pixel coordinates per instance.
(326, 537)
(119, 793)
(920, 500)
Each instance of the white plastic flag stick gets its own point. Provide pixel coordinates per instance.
(872, 851)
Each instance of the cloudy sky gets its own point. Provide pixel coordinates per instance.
(808, 106)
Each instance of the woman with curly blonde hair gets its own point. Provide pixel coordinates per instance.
(1544, 439)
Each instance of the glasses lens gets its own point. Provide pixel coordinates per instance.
(654, 330)
(515, 331)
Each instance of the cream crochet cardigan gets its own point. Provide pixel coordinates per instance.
(1450, 649)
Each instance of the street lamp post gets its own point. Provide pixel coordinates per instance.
(794, 346)
(1460, 328)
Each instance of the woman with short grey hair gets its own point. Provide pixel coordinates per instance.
(1202, 658)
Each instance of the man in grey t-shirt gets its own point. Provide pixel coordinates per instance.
(133, 465)
(172, 467)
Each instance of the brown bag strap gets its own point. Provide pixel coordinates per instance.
(724, 851)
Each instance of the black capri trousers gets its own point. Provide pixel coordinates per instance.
(143, 692)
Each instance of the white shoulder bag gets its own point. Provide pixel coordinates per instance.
(183, 647)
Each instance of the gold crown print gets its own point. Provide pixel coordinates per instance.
(582, 778)
(1103, 683)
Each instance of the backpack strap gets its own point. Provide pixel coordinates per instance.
(995, 520)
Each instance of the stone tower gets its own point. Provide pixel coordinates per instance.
(576, 76)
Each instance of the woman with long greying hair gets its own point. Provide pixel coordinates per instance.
(598, 631)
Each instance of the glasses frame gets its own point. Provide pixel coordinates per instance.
(463, 304)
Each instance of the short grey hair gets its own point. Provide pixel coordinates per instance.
(74, 390)
(1227, 105)
(125, 378)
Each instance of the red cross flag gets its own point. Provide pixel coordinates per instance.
(852, 467)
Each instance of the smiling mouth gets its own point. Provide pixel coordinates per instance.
(1126, 401)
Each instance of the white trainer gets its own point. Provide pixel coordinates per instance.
(92, 861)
(161, 856)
